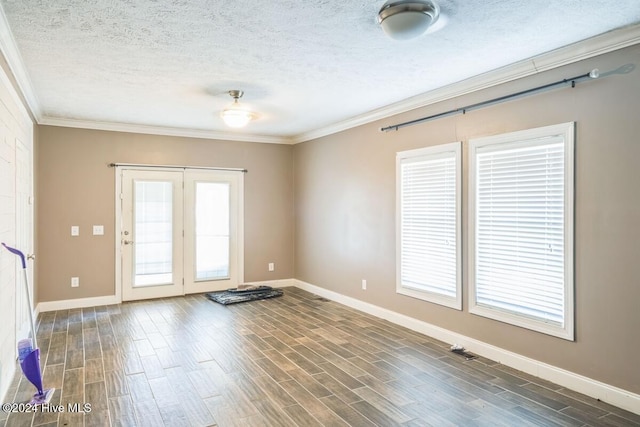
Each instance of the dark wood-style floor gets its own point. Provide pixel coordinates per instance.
(295, 360)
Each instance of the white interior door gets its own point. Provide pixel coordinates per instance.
(151, 234)
(24, 234)
(181, 232)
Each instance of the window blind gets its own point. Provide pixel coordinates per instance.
(520, 229)
(429, 224)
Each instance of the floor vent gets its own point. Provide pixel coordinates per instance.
(462, 352)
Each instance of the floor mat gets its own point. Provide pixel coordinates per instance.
(233, 296)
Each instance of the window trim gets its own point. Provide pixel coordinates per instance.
(434, 152)
(566, 130)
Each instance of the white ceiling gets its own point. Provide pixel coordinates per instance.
(304, 65)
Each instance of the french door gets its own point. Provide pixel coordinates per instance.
(181, 232)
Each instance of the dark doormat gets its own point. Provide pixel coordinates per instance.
(233, 296)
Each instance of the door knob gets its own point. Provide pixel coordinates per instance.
(31, 256)
(128, 242)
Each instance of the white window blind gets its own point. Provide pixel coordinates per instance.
(428, 224)
(521, 193)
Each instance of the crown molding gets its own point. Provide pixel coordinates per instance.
(598, 45)
(162, 130)
(11, 53)
(15, 96)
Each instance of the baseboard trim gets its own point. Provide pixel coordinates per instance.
(113, 299)
(69, 304)
(280, 283)
(590, 387)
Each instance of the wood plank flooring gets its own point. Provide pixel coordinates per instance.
(298, 360)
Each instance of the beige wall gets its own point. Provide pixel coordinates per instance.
(345, 214)
(344, 206)
(75, 187)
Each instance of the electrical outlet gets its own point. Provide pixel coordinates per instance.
(364, 284)
(272, 266)
(75, 282)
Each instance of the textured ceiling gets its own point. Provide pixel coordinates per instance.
(303, 65)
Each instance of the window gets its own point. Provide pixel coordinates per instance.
(153, 232)
(428, 224)
(212, 230)
(521, 228)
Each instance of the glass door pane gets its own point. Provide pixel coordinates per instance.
(212, 230)
(153, 233)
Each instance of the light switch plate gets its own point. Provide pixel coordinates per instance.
(75, 230)
(98, 230)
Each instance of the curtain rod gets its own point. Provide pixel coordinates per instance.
(138, 165)
(593, 74)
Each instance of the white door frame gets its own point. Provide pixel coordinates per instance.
(118, 216)
(234, 181)
(175, 286)
(23, 192)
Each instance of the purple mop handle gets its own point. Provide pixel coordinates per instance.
(26, 285)
(17, 252)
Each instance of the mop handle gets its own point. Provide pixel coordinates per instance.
(26, 287)
(17, 252)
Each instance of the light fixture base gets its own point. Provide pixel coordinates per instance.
(236, 94)
(407, 19)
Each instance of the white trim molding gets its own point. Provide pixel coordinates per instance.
(280, 283)
(598, 45)
(162, 130)
(69, 304)
(16, 65)
(589, 48)
(598, 390)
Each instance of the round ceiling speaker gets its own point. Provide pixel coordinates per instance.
(407, 19)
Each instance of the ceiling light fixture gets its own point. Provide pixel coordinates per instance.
(407, 19)
(236, 115)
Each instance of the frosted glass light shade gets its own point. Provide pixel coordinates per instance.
(404, 20)
(236, 116)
